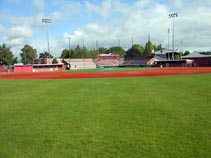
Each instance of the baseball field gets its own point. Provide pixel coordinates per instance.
(146, 113)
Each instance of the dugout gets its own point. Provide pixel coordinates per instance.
(48, 67)
(23, 68)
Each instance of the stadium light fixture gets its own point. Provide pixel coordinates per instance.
(46, 20)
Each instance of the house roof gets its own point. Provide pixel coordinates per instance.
(164, 51)
(195, 55)
(110, 54)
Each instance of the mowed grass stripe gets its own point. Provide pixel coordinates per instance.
(127, 117)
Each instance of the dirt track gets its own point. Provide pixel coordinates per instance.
(140, 73)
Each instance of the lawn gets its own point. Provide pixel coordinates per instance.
(147, 117)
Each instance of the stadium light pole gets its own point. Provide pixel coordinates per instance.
(168, 37)
(69, 49)
(173, 15)
(96, 44)
(46, 20)
(83, 52)
(132, 40)
(118, 42)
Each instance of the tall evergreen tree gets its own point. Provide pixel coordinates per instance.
(148, 48)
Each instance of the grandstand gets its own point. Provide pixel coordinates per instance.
(80, 63)
(108, 60)
(144, 61)
(3, 69)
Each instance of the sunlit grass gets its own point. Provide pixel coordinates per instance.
(147, 117)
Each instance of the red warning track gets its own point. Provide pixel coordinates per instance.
(139, 73)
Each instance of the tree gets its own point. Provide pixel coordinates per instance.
(117, 50)
(177, 56)
(28, 54)
(80, 52)
(148, 48)
(154, 47)
(67, 54)
(103, 50)
(206, 53)
(93, 53)
(136, 51)
(15, 60)
(6, 56)
(55, 61)
(45, 55)
(186, 53)
(157, 47)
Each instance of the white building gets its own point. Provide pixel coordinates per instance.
(165, 54)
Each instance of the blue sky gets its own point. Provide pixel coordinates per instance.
(105, 21)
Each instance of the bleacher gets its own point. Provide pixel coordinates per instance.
(111, 62)
(81, 63)
(108, 60)
(3, 69)
(127, 61)
(139, 61)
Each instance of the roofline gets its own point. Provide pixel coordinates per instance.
(197, 57)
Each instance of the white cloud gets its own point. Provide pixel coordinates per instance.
(107, 21)
(78, 33)
(145, 17)
(1, 28)
(104, 10)
(56, 15)
(17, 36)
(39, 4)
(20, 31)
(14, 42)
(67, 8)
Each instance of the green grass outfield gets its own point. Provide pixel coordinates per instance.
(147, 117)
